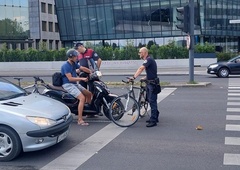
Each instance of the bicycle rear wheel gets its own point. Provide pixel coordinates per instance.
(143, 103)
(143, 108)
(124, 111)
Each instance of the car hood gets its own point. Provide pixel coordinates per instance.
(35, 105)
(219, 63)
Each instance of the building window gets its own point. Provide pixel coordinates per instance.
(50, 27)
(50, 11)
(55, 10)
(56, 27)
(44, 26)
(50, 44)
(56, 44)
(38, 44)
(43, 7)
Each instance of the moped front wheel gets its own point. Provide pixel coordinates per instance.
(124, 111)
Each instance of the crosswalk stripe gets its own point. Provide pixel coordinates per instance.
(234, 87)
(233, 94)
(233, 109)
(234, 98)
(233, 91)
(231, 159)
(233, 103)
(232, 141)
(79, 154)
(233, 117)
(232, 127)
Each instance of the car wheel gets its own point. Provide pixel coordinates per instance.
(10, 144)
(223, 72)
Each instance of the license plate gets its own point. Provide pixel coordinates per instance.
(62, 136)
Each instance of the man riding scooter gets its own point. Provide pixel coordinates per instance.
(70, 79)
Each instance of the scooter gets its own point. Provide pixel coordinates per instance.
(101, 100)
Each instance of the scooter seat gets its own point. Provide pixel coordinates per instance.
(59, 88)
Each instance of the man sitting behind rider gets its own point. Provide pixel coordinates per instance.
(70, 79)
(87, 59)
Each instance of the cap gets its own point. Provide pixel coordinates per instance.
(77, 45)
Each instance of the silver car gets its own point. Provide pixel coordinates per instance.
(29, 122)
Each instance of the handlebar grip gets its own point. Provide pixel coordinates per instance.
(125, 81)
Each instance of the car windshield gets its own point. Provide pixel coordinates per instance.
(233, 59)
(9, 90)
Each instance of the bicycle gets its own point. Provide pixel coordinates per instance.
(125, 109)
(35, 86)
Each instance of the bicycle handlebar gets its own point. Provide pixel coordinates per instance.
(37, 79)
(130, 80)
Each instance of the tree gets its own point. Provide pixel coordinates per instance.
(150, 43)
(11, 28)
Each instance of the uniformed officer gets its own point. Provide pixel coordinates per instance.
(153, 86)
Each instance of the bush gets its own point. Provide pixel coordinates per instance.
(169, 51)
(206, 48)
(225, 56)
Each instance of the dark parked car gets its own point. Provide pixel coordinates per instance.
(224, 69)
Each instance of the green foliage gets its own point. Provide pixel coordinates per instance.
(225, 56)
(105, 53)
(153, 51)
(169, 51)
(205, 48)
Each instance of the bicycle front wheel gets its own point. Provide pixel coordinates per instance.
(124, 111)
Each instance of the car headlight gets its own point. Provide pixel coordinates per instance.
(213, 66)
(41, 121)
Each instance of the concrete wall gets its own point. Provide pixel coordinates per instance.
(123, 64)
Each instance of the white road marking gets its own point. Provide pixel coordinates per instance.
(233, 91)
(79, 154)
(233, 117)
(232, 127)
(234, 98)
(232, 141)
(231, 159)
(234, 87)
(233, 109)
(233, 103)
(233, 94)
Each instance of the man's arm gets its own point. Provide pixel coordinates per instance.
(99, 61)
(75, 79)
(85, 69)
(139, 71)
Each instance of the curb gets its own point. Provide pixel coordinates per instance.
(172, 85)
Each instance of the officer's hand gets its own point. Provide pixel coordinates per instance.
(130, 79)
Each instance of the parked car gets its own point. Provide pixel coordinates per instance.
(224, 69)
(29, 122)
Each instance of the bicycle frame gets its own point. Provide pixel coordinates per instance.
(141, 89)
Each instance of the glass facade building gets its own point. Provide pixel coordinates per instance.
(145, 20)
(14, 23)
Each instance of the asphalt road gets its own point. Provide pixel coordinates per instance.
(174, 144)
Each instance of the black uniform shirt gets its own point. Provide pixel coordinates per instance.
(151, 68)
